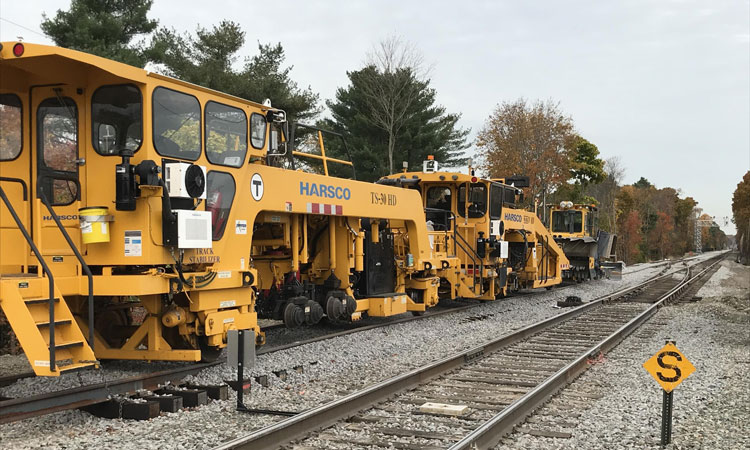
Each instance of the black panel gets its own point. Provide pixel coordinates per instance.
(379, 267)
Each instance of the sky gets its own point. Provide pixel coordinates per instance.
(662, 84)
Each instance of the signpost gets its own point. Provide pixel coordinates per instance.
(669, 368)
(240, 352)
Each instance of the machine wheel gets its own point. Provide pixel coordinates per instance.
(334, 309)
(208, 353)
(108, 322)
(418, 313)
(294, 316)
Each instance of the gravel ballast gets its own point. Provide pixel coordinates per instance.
(331, 368)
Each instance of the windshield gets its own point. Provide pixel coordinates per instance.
(566, 221)
(116, 116)
(477, 200)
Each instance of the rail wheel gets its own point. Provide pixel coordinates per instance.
(208, 353)
(111, 323)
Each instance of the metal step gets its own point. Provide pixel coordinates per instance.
(32, 301)
(69, 345)
(57, 322)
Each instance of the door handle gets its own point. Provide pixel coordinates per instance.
(80, 162)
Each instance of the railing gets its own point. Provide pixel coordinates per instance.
(471, 253)
(322, 157)
(39, 257)
(84, 266)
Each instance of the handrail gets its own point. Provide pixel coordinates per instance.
(21, 182)
(84, 266)
(322, 156)
(52, 365)
(471, 255)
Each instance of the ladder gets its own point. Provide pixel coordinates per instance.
(40, 318)
(25, 302)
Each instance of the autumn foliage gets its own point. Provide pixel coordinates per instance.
(657, 223)
(537, 140)
(532, 139)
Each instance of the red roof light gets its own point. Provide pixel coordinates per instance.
(18, 49)
(473, 179)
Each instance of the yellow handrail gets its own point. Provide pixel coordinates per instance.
(322, 156)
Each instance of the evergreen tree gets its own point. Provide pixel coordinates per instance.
(105, 28)
(425, 128)
(209, 57)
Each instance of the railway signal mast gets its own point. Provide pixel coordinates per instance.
(699, 224)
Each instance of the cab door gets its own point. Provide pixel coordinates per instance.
(57, 140)
(14, 176)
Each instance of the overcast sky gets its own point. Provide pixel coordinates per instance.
(664, 85)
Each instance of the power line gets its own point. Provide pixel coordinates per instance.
(21, 26)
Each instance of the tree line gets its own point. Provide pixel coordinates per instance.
(389, 114)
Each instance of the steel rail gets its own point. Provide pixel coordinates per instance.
(492, 431)
(22, 408)
(284, 431)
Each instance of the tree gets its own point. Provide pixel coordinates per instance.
(741, 216)
(643, 183)
(606, 193)
(630, 234)
(528, 139)
(205, 59)
(209, 57)
(264, 77)
(684, 225)
(661, 234)
(424, 129)
(103, 27)
(586, 166)
(391, 82)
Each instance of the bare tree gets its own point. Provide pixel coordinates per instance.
(395, 80)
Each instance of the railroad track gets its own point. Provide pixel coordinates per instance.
(14, 409)
(37, 405)
(500, 383)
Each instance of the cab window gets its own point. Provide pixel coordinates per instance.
(496, 201)
(10, 127)
(439, 203)
(220, 190)
(58, 137)
(226, 134)
(117, 119)
(177, 124)
(439, 197)
(567, 221)
(257, 130)
(477, 200)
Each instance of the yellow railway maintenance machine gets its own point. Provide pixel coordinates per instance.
(142, 217)
(574, 227)
(487, 245)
